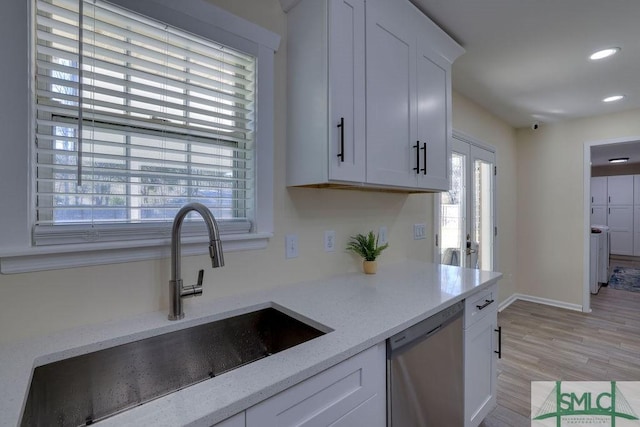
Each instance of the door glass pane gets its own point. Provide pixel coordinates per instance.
(452, 215)
(482, 244)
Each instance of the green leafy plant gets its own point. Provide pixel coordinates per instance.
(366, 245)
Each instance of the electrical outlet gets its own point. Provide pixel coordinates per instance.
(329, 241)
(419, 231)
(382, 235)
(291, 246)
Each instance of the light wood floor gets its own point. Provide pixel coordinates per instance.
(546, 343)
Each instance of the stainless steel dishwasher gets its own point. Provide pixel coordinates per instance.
(425, 372)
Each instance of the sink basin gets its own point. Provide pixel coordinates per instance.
(87, 388)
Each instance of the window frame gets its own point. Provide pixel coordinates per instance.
(17, 251)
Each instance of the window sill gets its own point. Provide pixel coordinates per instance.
(86, 255)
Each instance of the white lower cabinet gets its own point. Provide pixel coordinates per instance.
(352, 393)
(480, 345)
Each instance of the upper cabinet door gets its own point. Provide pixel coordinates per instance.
(620, 190)
(346, 90)
(392, 148)
(432, 118)
(325, 60)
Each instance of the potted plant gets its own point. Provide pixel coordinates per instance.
(366, 246)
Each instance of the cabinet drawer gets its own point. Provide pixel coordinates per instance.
(351, 393)
(480, 304)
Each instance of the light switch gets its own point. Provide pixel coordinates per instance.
(291, 246)
(329, 241)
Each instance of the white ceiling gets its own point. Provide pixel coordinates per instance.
(527, 60)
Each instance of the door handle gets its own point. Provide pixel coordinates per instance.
(341, 126)
(424, 158)
(417, 147)
(499, 350)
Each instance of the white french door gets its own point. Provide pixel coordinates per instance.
(465, 215)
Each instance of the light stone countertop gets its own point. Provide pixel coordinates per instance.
(362, 310)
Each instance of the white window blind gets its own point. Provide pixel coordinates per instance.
(133, 119)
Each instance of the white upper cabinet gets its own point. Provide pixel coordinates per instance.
(620, 190)
(379, 118)
(408, 97)
(326, 93)
(433, 116)
(393, 156)
(346, 90)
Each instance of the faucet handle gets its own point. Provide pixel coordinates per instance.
(193, 290)
(200, 277)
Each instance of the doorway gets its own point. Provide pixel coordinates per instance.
(465, 217)
(607, 209)
(595, 154)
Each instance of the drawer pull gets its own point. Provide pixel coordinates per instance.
(486, 303)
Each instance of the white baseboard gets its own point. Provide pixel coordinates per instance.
(555, 303)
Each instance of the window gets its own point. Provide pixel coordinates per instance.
(153, 106)
(134, 118)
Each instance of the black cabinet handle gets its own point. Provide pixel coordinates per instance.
(417, 147)
(486, 303)
(424, 158)
(341, 126)
(499, 351)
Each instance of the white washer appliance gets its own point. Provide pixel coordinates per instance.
(603, 254)
(594, 250)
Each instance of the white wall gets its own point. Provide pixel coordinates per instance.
(472, 120)
(550, 202)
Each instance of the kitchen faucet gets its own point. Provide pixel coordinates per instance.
(177, 290)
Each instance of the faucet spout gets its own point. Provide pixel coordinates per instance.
(177, 290)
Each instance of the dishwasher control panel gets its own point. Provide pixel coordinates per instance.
(425, 328)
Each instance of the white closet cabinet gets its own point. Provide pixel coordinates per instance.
(620, 190)
(598, 190)
(599, 215)
(480, 346)
(599, 200)
(408, 97)
(636, 230)
(620, 222)
(379, 118)
(350, 394)
(620, 194)
(326, 92)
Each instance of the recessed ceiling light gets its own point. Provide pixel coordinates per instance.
(604, 53)
(613, 98)
(619, 160)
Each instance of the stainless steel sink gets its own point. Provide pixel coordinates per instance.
(84, 389)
